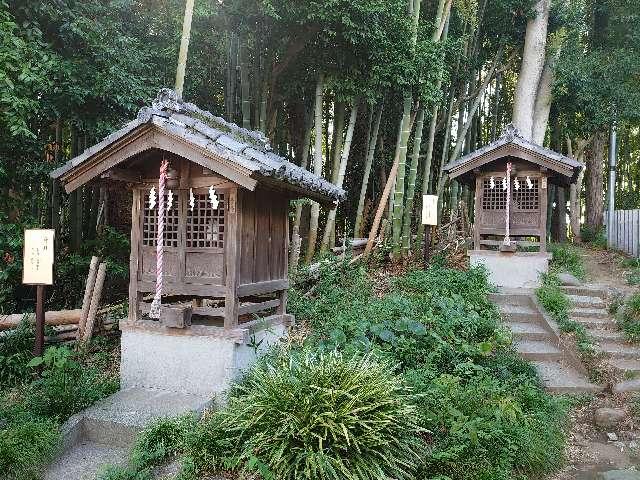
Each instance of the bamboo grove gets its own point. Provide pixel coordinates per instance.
(369, 94)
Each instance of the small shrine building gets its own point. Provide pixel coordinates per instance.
(511, 177)
(210, 292)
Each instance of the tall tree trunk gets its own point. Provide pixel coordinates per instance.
(342, 168)
(336, 147)
(594, 200)
(184, 47)
(533, 58)
(317, 168)
(411, 188)
(401, 152)
(544, 96)
(55, 186)
(232, 78)
(373, 140)
(245, 84)
(576, 188)
(405, 127)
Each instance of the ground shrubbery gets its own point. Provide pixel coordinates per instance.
(628, 318)
(405, 377)
(33, 404)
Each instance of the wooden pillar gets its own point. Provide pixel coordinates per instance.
(477, 217)
(134, 295)
(542, 192)
(282, 296)
(232, 257)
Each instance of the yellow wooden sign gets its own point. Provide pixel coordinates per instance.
(38, 257)
(429, 209)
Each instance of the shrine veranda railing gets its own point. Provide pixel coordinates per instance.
(626, 232)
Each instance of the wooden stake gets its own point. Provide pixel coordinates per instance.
(39, 343)
(88, 292)
(95, 301)
(381, 206)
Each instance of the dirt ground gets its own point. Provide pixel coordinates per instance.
(590, 450)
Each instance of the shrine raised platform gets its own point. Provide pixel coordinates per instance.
(512, 269)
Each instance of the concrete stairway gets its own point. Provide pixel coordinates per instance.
(590, 308)
(536, 340)
(103, 434)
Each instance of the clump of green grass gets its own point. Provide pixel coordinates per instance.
(27, 443)
(633, 275)
(557, 305)
(326, 416)
(628, 318)
(566, 258)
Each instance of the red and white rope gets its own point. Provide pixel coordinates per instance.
(507, 240)
(154, 312)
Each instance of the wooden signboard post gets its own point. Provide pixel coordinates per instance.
(429, 218)
(38, 270)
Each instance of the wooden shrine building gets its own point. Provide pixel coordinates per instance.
(510, 178)
(226, 223)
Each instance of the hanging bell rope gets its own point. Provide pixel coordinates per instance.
(154, 312)
(507, 240)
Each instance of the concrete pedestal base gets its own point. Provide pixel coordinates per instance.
(194, 361)
(512, 270)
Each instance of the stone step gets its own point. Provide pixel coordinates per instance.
(589, 312)
(528, 331)
(560, 378)
(586, 301)
(108, 428)
(586, 291)
(84, 460)
(595, 323)
(625, 365)
(599, 335)
(506, 298)
(538, 350)
(519, 313)
(619, 350)
(627, 386)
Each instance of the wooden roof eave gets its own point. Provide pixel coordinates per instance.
(146, 137)
(524, 154)
(296, 191)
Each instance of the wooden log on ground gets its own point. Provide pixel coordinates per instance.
(61, 317)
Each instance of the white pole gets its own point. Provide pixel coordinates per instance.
(612, 185)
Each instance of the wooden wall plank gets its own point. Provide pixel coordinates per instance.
(247, 251)
(134, 295)
(262, 265)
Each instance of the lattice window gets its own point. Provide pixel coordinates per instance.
(205, 226)
(527, 198)
(493, 198)
(150, 223)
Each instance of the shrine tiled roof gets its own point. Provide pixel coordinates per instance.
(248, 150)
(511, 143)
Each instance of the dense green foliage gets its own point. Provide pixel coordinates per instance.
(325, 416)
(417, 365)
(567, 258)
(33, 405)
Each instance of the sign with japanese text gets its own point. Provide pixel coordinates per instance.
(429, 209)
(38, 257)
